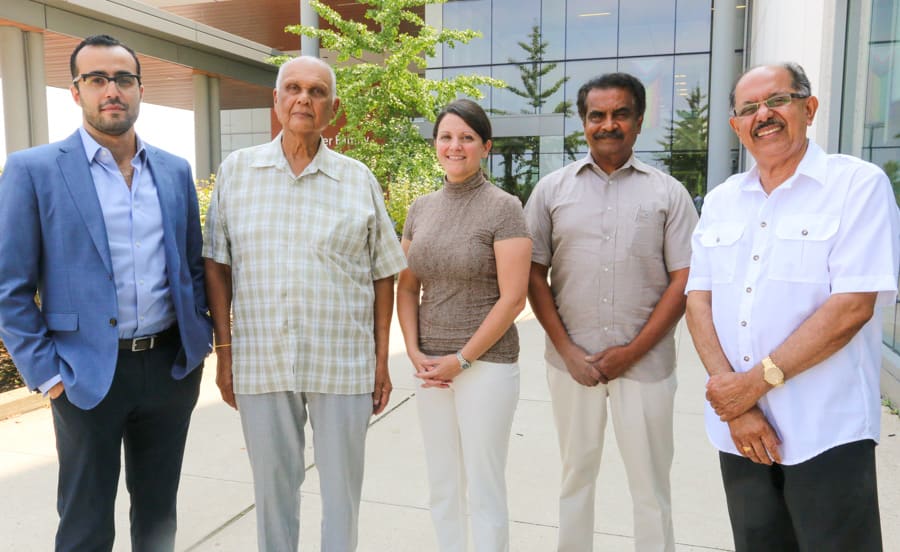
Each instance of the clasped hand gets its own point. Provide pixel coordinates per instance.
(435, 371)
(731, 394)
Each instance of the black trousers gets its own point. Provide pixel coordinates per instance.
(149, 412)
(828, 503)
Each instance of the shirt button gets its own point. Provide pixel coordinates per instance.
(804, 232)
(137, 244)
(608, 238)
(744, 323)
(605, 328)
(749, 289)
(604, 300)
(605, 269)
(746, 359)
(113, 322)
(756, 257)
(762, 224)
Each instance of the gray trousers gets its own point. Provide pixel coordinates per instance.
(273, 430)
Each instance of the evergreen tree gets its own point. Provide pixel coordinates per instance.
(685, 143)
(521, 154)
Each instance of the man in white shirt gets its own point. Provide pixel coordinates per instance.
(790, 262)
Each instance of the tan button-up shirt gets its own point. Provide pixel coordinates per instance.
(610, 242)
(304, 253)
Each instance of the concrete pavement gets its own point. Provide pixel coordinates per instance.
(216, 510)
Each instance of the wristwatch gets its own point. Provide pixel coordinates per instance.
(772, 373)
(463, 363)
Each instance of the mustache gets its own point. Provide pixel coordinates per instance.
(764, 124)
(615, 134)
(113, 101)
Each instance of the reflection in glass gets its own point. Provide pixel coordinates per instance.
(578, 73)
(656, 73)
(645, 27)
(513, 20)
(553, 30)
(591, 28)
(693, 25)
(474, 15)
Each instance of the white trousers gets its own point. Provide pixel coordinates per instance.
(273, 430)
(466, 431)
(642, 419)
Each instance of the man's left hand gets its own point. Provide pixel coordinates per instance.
(612, 362)
(382, 393)
(732, 393)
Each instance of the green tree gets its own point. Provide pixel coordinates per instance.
(685, 143)
(892, 170)
(380, 101)
(521, 154)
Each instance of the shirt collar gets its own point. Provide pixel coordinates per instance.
(813, 166)
(271, 155)
(91, 146)
(632, 163)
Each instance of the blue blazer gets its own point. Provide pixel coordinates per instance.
(53, 240)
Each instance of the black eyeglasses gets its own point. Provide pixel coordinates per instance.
(775, 101)
(99, 81)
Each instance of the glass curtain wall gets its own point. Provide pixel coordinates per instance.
(546, 49)
(881, 122)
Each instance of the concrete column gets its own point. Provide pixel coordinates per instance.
(723, 70)
(202, 127)
(309, 46)
(215, 125)
(24, 88)
(37, 88)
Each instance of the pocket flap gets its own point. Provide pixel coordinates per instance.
(61, 321)
(721, 234)
(807, 227)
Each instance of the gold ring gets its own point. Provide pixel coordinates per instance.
(748, 449)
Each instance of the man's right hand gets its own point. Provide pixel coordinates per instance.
(224, 376)
(56, 391)
(579, 368)
(754, 437)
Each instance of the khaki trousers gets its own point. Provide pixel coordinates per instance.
(642, 418)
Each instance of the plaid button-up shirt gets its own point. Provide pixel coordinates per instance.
(304, 252)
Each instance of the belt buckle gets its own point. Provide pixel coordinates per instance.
(150, 340)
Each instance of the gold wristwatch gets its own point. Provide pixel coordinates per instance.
(772, 373)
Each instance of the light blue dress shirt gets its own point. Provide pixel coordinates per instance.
(134, 229)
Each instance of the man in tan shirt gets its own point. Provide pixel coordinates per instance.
(617, 234)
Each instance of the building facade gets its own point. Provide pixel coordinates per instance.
(209, 56)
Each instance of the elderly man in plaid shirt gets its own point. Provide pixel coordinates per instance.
(300, 247)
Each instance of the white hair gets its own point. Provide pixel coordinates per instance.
(314, 59)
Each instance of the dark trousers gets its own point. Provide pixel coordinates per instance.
(828, 503)
(148, 411)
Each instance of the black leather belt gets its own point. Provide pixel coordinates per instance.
(147, 342)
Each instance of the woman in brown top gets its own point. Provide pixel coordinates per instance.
(469, 253)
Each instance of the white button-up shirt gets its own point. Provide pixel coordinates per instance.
(771, 261)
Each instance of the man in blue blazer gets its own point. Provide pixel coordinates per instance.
(106, 230)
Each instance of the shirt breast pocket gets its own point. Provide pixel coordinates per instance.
(720, 240)
(801, 248)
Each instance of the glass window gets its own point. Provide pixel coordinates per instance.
(515, 99)
(578, 73)
(591, 28)
(693, 25)
(646, 27)
(514, 22)
(474, 15)
(656, 73)
(553, 29)
(691, 78)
